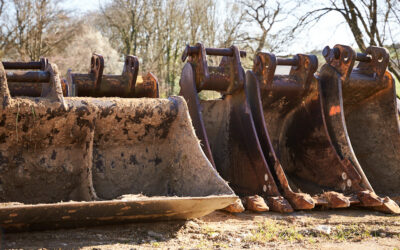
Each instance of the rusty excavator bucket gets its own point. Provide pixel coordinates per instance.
(82, 161)
(126, 85)
(293, 130)
(28, 83)
(225, 126)
(360, 108)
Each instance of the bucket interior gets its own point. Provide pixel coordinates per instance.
(293, 119)
(101, 149)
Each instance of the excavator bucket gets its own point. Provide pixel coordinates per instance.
(127, 85)
(82, 161)
(365, 124)
(294, 135)
(225, 126)
(22, 83)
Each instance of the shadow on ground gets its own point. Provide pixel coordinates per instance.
(219, 229)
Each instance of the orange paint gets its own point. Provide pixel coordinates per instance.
(334, 110)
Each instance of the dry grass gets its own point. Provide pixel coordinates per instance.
(281, 231)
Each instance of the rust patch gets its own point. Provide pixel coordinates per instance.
(106, 218)
(334, 110)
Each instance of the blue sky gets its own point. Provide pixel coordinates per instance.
(83, 5)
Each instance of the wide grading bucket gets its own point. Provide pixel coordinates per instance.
(27, 83)
(293, 132)
(225, 126)
(82, 161)
(365, 124)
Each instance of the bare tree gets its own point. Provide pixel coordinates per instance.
(231, 28)
(157, 31)
(168, 42)
(126, 20)
(264, 16)
(201, 21)
(370, 21)
(2, 3)
(35, 28)
(262, 19)
(5, 32)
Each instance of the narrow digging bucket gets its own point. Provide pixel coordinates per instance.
(225, 126)
(72, 161)
(294, 137)
(128, 85)
(365, 101)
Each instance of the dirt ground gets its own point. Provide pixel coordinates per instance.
(329, 229)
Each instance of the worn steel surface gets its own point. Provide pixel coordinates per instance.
(225, 126)
(55, 149)
(28, 83)
(129, 84)
(367, 108)
(293, 131)
(40, 65)
(17, 217)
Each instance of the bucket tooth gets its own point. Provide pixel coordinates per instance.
(83, 161)
(336, 200)
(279, 204)
(236, 207)
(369, 199)
(360, 110)
(225, 126)
(389, 206)
(300, 201)
(293, 132)
(255, 203)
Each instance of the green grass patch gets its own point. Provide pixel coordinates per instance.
(270, 231)
(274, 231)
(210, 232)
(350, 233)
(155, 244)
(202, 245)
